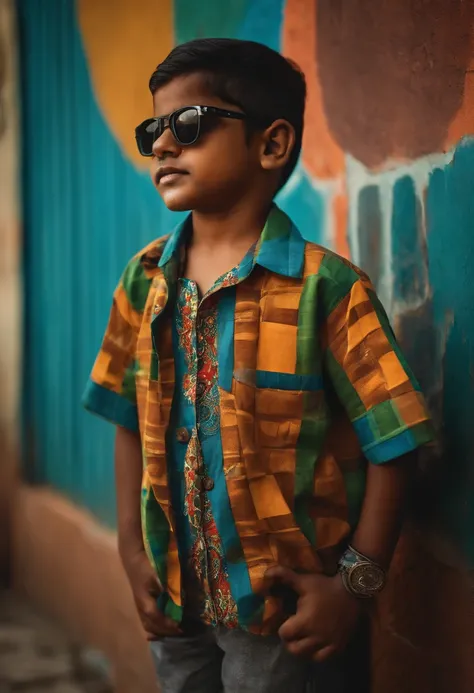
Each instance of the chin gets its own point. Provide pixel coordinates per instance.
(177, 203)
(178, 207)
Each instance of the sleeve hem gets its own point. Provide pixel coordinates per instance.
(110, 406)
(399, 443)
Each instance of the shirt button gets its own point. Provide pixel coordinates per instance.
(183, 435)
(207, 483)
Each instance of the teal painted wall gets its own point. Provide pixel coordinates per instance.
(450, 209)
(87, 210)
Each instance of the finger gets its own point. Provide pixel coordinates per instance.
(324, 653)
(161, 625)
(160, 630)
(295, 628)
(279, 575)
(151, 637)
(155, 588)
(306, 647)
(154, 637)
(152, 586)
(155, 622)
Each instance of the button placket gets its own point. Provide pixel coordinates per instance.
(203, 480)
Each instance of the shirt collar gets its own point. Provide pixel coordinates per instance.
(176, 242)
(280, 248)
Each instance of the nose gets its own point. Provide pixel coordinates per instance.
(166, 146)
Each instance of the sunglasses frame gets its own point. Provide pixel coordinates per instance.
(169, 121)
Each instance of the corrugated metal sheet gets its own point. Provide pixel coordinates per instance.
(86, 211)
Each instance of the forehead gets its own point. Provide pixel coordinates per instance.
(188, 90)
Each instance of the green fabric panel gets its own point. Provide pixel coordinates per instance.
(387, 328)
(308, 349)
(402, 442)
(384, 419)
(128, 384)
(173, 611)
(278, 225)
(423, 433)
(345, 392)
(306, 462)
(314, 426)
(156, 534)
(136, 284)
(341, 280)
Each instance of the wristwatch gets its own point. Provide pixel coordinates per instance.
(361, 576)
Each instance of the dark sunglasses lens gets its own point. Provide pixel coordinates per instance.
(186, 126)
(147, 133)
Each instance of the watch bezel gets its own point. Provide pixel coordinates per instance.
(353, 581)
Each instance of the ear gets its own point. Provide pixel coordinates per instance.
(278, 142)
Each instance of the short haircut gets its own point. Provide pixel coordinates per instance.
(261, 82)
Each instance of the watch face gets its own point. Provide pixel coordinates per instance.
(366, 579)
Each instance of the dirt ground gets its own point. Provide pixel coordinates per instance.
(37, 657)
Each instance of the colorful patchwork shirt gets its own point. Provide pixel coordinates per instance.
(259, 407)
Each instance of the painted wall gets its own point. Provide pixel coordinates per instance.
(10, 304)
(386, 177)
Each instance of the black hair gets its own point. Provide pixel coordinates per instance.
(257, 79)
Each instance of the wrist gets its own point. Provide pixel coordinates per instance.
(130, 546)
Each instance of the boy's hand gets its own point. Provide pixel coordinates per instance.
(146, 588)
(326, 614)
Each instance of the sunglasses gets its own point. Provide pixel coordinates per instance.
(186, 125)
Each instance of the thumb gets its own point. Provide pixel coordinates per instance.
(279, 575)
(324, 653)
(155, 587)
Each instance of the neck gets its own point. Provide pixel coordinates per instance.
(242, 224)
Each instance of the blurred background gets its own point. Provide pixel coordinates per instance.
(386, 178)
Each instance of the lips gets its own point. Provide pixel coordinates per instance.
(168, 174)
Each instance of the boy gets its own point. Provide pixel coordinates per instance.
(255, 378)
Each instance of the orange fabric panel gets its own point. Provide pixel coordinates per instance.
(267, 497)
(277, 347)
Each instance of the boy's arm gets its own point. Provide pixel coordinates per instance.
(111, 394)
(380, 522)
(143, 579)
(327, 613)
(376, 387)
(128, 480)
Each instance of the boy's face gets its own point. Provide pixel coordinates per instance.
(218, 169)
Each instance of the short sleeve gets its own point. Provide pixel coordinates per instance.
(110, 391)
(369, 373)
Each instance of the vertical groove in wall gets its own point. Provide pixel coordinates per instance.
(87, 211)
